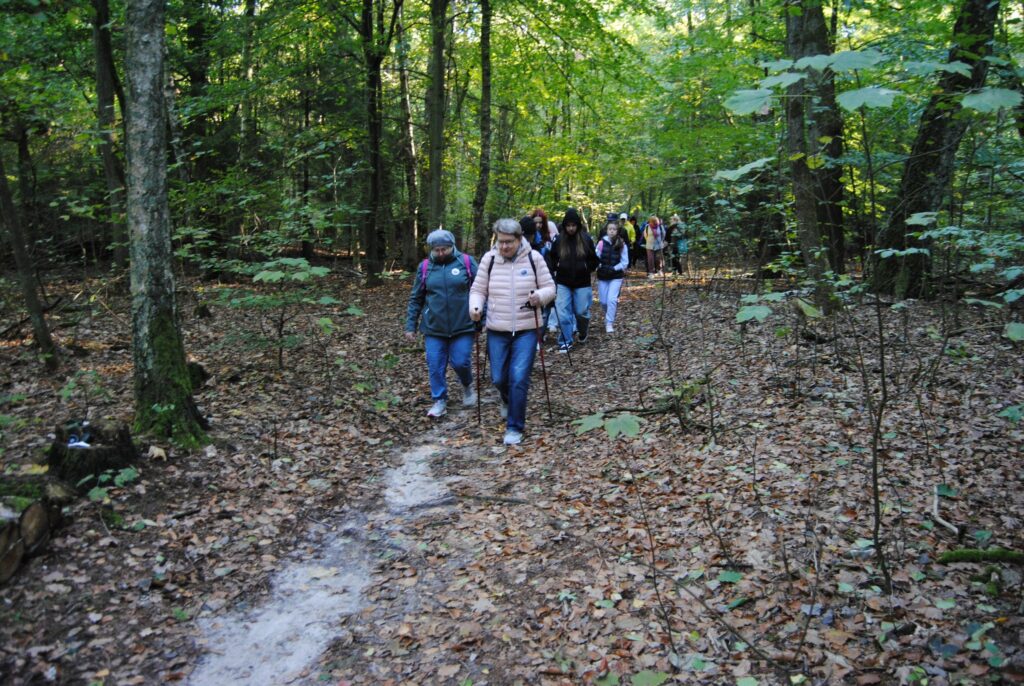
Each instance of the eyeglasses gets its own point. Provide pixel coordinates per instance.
(507, 241)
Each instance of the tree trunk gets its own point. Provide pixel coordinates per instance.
(113, 172)
(480, 230)
(247, 119)
(163, 389)
(371, 223)
(805, 27)
(197, 64)
(40, 330)
(435, 113)
(929, 167)
(410, 237)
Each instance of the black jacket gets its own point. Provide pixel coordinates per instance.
(575, 269)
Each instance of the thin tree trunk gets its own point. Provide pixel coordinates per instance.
(371, 223)
(113, 172)
(247, 119)
(40, 330)
(480, 230)
(163, 390)
(929, 168)
(435, 113)
(410, 236)
(805, 23)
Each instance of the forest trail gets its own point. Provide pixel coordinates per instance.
(427, 552)
(276, 640)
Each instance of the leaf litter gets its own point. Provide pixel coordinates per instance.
(724, 536)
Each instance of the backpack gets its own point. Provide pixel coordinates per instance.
(426, 263)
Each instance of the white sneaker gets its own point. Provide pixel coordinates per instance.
(513, 437)
(503, 409)
(608, 328)
(438, 409)
(468, 396)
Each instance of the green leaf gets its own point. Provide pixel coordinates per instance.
(126, 476)
(736, 174)
(946, 491)
(846, 588)
(269, 276)
(863, 543)
(605, 604)
(625, 424)
(1013, 413)
(809, 310)
(921, 219)
(97, 494)
(748, 101)
(945, 603)
(992, 99)
(588, 423)
(818, 62)
(739, 602)
(871, 96)
(758, 312)
(851, 60)
(354, 311)
(649, 678)
(609, 679)
(1014, 331)
(729, 577)
(784, 79)
(747, 681)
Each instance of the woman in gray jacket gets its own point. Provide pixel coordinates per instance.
(439, 302)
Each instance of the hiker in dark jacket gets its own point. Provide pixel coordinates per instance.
(439, 303)
(572, 260)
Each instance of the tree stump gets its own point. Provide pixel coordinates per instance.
(30, 509)
(107, 446)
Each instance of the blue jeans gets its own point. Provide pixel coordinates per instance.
(440, 352)
(511, 363)
(571, 304)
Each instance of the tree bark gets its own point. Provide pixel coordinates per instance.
(435, 114)
(247, 144)
(410, 237)
(805, 25)
(163, 389)
(113, 172)
(929, 167)
(480, 230)
(40, 330)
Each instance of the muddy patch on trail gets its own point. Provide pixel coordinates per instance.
(279, 640)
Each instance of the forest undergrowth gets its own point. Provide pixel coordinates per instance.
(698, 509)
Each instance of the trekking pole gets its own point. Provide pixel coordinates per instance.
(476, 336)
(543, 369)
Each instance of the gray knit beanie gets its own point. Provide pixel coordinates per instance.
(441, 238)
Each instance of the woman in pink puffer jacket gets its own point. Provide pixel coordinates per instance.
(513, 282)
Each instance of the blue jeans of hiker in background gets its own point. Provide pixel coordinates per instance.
(571, 305)
(511, 363)
(441, 351)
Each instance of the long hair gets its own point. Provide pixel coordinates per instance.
(567, 243)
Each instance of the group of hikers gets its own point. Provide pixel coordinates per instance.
(532, 266)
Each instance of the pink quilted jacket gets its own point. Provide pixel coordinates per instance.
(505, 285)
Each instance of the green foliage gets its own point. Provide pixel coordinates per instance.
(623, 424)
(100, 493)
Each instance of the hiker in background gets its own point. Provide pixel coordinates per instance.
(613, 258)
(676, 242)
(514, 282)
(547, 228)
(636, 242)
(654, 243)
(572, 259)
(440, 293)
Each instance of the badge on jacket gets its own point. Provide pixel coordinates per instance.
(455, 271)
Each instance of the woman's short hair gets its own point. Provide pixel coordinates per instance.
(508, 226)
